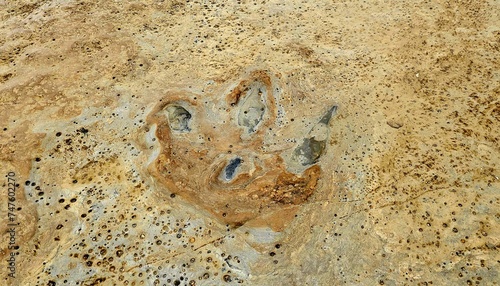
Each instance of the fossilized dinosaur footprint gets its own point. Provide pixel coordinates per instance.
(211, 154)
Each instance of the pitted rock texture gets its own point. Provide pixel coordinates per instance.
(403, 181)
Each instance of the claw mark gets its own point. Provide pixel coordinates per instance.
(178, 118)
(329, 114)
(252, 110)
(313, 147)
(230, 169)
(309, 151)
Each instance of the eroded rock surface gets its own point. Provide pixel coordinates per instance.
(253, 143)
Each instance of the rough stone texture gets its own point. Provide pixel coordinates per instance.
(404, 190)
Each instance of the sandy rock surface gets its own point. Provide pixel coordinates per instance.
(250, 142)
